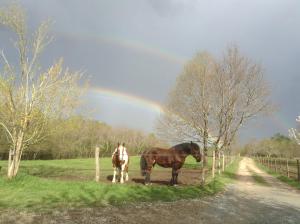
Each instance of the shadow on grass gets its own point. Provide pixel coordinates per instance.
(289, 181)
(44, 170)
(231, 175)
(285, 179)
(158, 182)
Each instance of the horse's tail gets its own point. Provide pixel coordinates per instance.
(143, 165)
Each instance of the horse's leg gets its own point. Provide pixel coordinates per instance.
(147, 178)
(126, 175)
(115, 173)
(176, 176)
(122, 174)
(172, 182)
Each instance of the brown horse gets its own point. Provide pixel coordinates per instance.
(120, 162)
(169, 158)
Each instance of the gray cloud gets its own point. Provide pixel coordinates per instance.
(267, 31)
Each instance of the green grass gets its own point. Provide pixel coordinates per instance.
(31, 190)
(257, 178)
(229, 174)
(280, 177)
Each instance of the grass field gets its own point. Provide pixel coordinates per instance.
(35, 189)
(280, 177)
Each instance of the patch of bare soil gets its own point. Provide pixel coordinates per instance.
(243, 202)
(158, 177)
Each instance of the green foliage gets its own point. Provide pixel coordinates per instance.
(280, 138)
(278, 145)
(76, 137)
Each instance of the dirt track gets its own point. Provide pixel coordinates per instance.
(243, 202)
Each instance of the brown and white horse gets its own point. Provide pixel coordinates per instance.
(120, 162)
(173, 157)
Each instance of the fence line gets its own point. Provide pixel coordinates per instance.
(286, 167)
(219, 163)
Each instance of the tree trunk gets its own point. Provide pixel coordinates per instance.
(213, 163)
(203, 169)
(16, 157)
(97, 152)
(223, 162)
(219, 162)
(10, 154)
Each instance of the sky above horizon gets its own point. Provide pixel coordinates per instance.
(138, 48)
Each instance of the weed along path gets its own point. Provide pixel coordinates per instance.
(253, 197)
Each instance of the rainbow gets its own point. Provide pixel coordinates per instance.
(157, 107)
(280, 122)
(132, 99)
(129, 44)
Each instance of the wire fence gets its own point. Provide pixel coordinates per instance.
(284, 166)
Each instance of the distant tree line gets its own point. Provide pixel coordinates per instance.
(76, 137)
(276, 146)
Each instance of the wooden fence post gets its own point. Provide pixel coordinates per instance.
(203, 171)
(219, 162)
(275, 165)
(271, 164)
(223, 162)
(213, 163)
(279, 167)
(298, 166)
(287, 168)
(97, 153)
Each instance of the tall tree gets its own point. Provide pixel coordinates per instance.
(213, 98)
(28, 95)
(294, 133)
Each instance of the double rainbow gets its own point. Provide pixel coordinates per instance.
(132, 99)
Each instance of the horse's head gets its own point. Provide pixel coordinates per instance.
(195, 151)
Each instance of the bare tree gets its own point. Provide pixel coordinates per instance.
(28, 95)
(213, 98)
(294, 133)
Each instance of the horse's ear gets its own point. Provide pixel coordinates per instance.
(191, 142)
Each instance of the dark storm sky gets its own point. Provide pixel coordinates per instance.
(139, 47)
